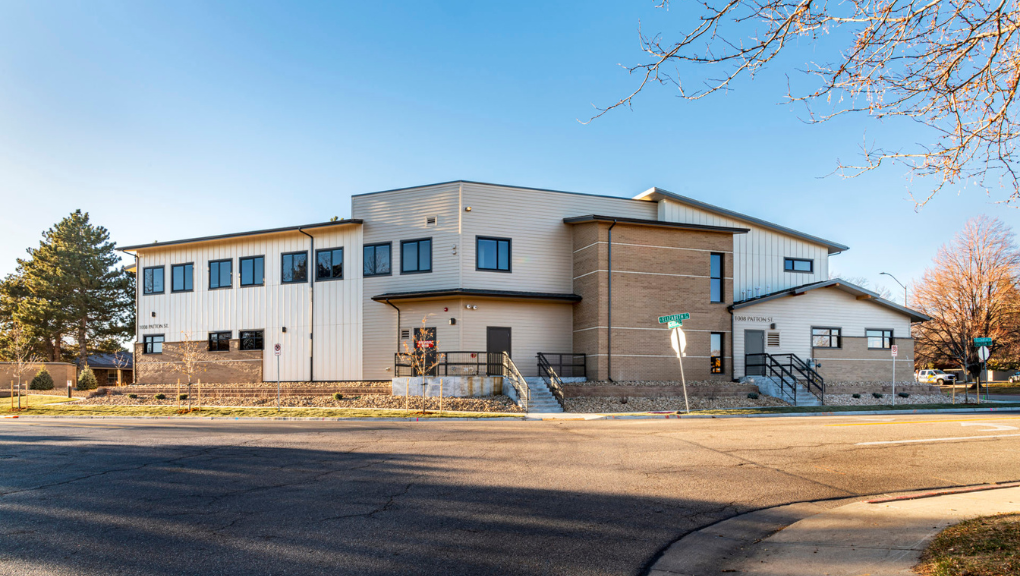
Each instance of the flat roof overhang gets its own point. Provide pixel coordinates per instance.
(654, 224)
(351, 222)
(478, 293)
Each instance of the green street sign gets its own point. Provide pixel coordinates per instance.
(673, 324)
(674, 318)
(982, 342)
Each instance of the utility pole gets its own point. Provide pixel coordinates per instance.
(901, 285)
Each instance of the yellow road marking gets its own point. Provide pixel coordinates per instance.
(925, 421)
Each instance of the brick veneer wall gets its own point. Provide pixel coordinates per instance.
(60, 371)
(233, 367)
(854, 362)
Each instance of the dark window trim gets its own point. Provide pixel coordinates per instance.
(331, 278)
(509, 254)
(431, 254)
(839, 337)
(721, 278)
(892, 337)
(242, 284)
(390, 273)
(722, 353)
(240, 340)
(282, 254)
(230, 336)
(145, 344)
(163, 268)
(209, 272)
(789, 259)
(181, 265)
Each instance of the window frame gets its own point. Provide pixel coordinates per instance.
(284, 255)
(219, 333)
(147, 343)
(793, 267)
(419, 270)
(892, 338)
(161, 268)
(373, 247)
(218, 274)
(839, 337)
(720, 278)
(509, 254)
(331, 250)
(240, 277)
(240, 337)
(182, 265)
(722, 354)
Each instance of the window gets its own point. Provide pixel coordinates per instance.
(152, 280)
(826, 338)
(295, 267)
(716, 352)
(377, 260)
(181, 277)
(492, 254)
(416, 256)
(879, 339)
(219, 341)
(716, 273)
(798, 265)
(329, 264)
(252, 270)
(152, 344)
(220, 274)
(251, 340)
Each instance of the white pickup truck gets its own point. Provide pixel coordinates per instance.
(936, 377)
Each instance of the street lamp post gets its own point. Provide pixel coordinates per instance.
(901, 285)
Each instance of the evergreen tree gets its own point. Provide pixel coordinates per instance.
(42, 380)
(41, 320)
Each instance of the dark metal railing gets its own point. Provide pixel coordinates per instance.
(566, 365)
(814, 382)
(457, 363)
(548, 373)
(773, 369)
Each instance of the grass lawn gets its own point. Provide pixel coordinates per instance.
(988, 546)
(30, 401)
(808, 409)
(71, 410)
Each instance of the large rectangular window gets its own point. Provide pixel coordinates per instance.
(329, 264)
(802, 265)
(152, 280)
(219, 341)
(294, 267)
(879, 339)
(715, 352)
(716, 274)
(251, 339)
(416, 256)
(220, 274)
(152, 344)
(826, 338)
(252, 270)
(182, 277)
(377, 260)
(492, 254)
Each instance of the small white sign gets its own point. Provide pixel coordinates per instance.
(895, 350)
(278, 349)
(983, 353)
(679, 341)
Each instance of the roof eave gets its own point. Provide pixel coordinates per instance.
(654, 223)
(348, 222)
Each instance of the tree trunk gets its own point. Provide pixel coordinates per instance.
(82, 349)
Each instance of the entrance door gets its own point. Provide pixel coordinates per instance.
(425, 339)
(497, 341)
(754, 350)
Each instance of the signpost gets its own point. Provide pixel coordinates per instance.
(895, 351)
(677, 337)
(983, 354)
(278, 350)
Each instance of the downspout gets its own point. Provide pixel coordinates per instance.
(398, 334)
(609, 347)
(311, 298)
(134, 377)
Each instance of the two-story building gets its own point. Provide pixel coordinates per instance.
(493, 268)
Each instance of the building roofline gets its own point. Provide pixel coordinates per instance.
(624, 198)
(348, 222)
(834, 247)
(478, 293)
(654, 223)
(870, 296)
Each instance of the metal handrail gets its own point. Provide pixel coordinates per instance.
(517, 382)
(772, 368)
(577, 366)
(551, 378)
(456, 363)
(813, 378)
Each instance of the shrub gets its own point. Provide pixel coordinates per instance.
(182, 396)
(42, 381)
(877, 394)
(87, 380)
(903, 395)
(338, 396)
(752, 395)
(160, 396)
(857, 395)
(132, 396)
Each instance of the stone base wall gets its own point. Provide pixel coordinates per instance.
(908, 386)
(452, 386)
(703, 391)
(234, 367)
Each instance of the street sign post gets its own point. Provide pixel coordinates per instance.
(679, 342)
(895, 350)
(983, 354)
(277, 349)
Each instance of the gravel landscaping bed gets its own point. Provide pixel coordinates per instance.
(690, 383)
(140, 388)
(590, 404)
(867, 399)
(494, 404)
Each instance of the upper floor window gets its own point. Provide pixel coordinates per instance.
(251, 339)
(152, 280)
(826, 338)
(377, 260)
(152, 344)
(220, 274)
(252, 270)
(329, 264)
(715, 352)
(492, 254)
(219, 341)
(182, 277)
(716, 275)
(295, 267)
(879, 339)
(798, 265)
(416, 256)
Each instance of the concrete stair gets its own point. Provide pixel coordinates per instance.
(542, 400)
(770, 386)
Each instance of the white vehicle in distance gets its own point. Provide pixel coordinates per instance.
(936, 377)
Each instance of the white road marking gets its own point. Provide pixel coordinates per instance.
(991, 427)
(937, 439)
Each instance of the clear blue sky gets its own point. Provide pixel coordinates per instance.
(177, 119)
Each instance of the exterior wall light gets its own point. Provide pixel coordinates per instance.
(153, 314)
(467, 208)
(285, 329)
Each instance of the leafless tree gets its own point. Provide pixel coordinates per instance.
(21, 353)
(190, 355)
(970, 291)
(951, 66)
(120, 362)
(423, 358)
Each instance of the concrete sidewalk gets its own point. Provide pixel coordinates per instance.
(878, 537)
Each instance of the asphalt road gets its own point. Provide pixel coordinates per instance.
(157, 497)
